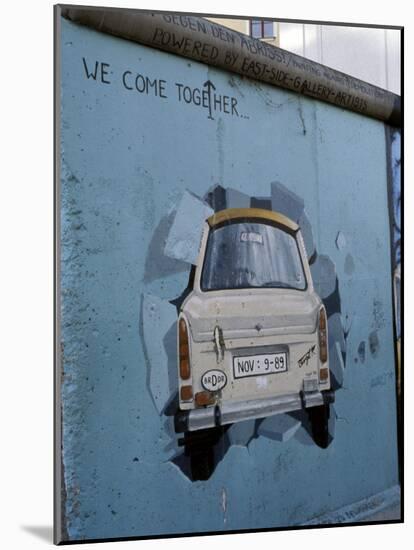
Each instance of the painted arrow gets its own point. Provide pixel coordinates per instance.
(210, 86)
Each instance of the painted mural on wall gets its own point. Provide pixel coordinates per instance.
(193, 396)
(255, 323)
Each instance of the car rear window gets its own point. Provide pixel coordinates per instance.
(251, 255)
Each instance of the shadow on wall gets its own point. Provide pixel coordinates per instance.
(174, 248)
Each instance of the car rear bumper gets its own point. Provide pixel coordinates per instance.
(228, 413)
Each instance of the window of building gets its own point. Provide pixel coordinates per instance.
(261, 29)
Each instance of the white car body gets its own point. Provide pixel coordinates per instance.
(253, 351)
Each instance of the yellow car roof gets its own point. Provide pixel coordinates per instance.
(257, 213)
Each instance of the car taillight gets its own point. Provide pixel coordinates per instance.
(183, 350)
(323, 375)
(323, 337)
(186, 393)
(204, 398)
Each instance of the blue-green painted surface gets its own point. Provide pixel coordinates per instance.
(126, 159)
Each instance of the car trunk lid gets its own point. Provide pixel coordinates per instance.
(250, 314)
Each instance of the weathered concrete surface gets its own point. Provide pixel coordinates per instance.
(127, 159)
(390, 513)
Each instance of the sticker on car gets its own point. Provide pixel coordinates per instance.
(214, 380)
(251, 237)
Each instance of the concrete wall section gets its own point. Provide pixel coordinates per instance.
(128, 157)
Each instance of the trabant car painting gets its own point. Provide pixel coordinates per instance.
(252, 333)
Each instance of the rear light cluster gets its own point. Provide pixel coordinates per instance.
(323, 346)
(186, 392)
(203, 398)
(323, 336)
(323, 375)
(184, 353)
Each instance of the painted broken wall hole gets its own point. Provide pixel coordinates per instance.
(180, 245)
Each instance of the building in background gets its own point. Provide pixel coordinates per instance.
(370, 54)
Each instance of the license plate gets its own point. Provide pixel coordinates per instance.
(256, 365)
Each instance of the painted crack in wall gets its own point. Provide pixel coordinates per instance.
(159, 317)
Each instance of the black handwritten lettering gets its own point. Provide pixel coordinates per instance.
(261, 48)
(187, 94)
(90, 74)
(196, 96)
(144, 84)
(255, 68)
(104, 73)
(161, 88)
(278, 76)
(304, 360)
(124, 80)
(230, 58)
(186, 22)
(175, 42)
(233, 106)
(94, 73)
(185, 45)
(140, 83)
(217, 103)
(153, 84)
(297, 82)
(197, 47)
(206, 97)
(158, 35)
(210, 86)
(179, 87)
(226, 104)
(222, 34)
